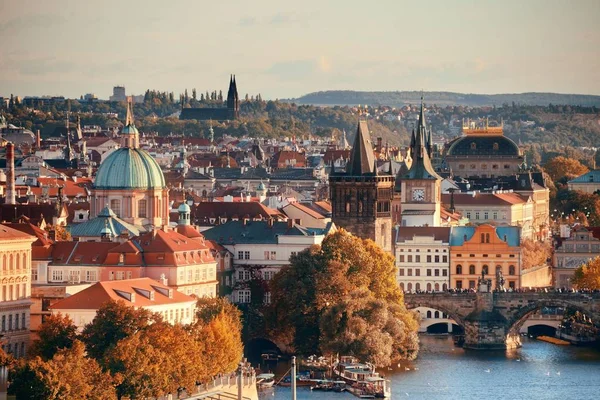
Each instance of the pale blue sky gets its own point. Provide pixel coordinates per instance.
(286, 49)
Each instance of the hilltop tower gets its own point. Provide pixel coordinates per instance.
(233, 100)
(361, 197)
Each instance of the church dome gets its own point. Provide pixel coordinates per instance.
(482, 146)
(129, 130)
(184, 208)
(129, 168)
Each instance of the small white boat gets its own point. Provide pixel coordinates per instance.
(265, 380)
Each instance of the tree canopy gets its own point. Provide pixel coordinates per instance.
(562, 168)
(587, 276)
(535, 253)
(325, 283)
(57, 332)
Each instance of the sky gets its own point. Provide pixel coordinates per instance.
(284, 49)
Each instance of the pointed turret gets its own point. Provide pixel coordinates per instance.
(362, 158)
(130, 135)
(421, 167)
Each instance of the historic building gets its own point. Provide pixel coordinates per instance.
(420, 187)
(423, 258)
(572, 252)
(231, 111)
(361, 197)
(483, 152)
(131, 183)
(15, 270)
(175, 307)
(486, 252)
(260, 249)
(587, 183)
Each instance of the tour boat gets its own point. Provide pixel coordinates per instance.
(265, 380)
(329, 386)
(362, 378)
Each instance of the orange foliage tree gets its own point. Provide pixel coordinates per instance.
(587, 276)
(535, 253)
(563, 168)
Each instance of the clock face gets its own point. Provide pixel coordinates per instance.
(418, 194)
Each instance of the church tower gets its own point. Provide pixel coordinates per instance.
(421, 185)
(361, 197)
(233, 100)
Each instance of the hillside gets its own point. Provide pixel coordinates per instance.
(396, 99)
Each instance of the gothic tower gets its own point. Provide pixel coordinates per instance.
(361, 198)
(421, 185)
(233, 100)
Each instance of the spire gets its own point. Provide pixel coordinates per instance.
(129, 118)
(362, 158)
(421, 167)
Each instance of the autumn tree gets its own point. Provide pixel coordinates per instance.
(57, 332)
(535, 253)
(114, 321)
(562, 169)
(68, 375)
(587, 276)
(322, 280)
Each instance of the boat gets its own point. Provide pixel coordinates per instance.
(270, 356)
(265, 380)
(302, 379)
(362, 378)
(326, 385)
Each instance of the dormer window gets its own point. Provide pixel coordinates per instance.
(473, 146)
(496, 146)
(121, 258)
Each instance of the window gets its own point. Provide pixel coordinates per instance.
(10, 325)
(429, 287)
(437, 272)
(293, 253)
(472, 269)
(511, 270)
(57, 275)
(197, 274)
(469, 214)
(121, 259)
(401, 271)
(417, 258)
(437, 259)
(409, 272)
(142, 213)
(473, 146)
(484, 269)
(240, 275)
(17, 321)
(459, 284)
(417, 272)
(115, 205)
(429, 272)
(34, 274)
(91, 276)
(401, 258)
(476, 214)
(498, 269)
(240, 255)
(445, 259)
(444, 272)
(190, 275)
(409, 258)
(204, 273)
(244, 296)
(246, 255)
(267, 298)
(428, 259)
(471, 284)
(495, 215)
(485, 215)
(120, 275)
(459, 269)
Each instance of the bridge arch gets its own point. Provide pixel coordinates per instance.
(522, 314)
(431, 301)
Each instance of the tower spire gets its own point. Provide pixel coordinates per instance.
(129, 117)
(362, 158)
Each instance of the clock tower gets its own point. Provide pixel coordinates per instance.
(421, 186)
(361, 198)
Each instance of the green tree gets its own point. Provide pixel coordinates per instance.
(57, 332)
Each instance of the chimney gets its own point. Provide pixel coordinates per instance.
(10, 176)
(38, 140)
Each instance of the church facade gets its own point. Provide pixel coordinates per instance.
(230, 112)
(361, 197)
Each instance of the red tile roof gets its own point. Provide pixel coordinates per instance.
(7, 233)
(484, 199)
(100, 293)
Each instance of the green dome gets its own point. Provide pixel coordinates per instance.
(128, 168)
(129, 130)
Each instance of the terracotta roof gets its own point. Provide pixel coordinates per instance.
(100, 293)
(282, 158)
(7, 233)
(81, 253)
(204, 211)
(172, 248)
(484, 199)
(305, 210)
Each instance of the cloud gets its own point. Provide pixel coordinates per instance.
(247, 21)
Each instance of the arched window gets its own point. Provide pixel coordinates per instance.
(485, 269)
(4, 263)
(10, 262)
(487, 235)
(429, 287)
(437, 314)
(402, 286)
(437, 287)
(18, 261)
(417, 286)
(459, 269)
(24, 263)
(428, 313)
(482, 238)
(511, 270)
(445, 287)
(498, 269)
(409, 287)
(472, 269)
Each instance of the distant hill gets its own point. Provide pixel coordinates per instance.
(396, 99)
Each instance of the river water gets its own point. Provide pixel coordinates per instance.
(538, 370)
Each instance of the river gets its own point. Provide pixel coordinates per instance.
(538, 370)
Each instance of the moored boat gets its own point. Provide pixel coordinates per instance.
(265, 380)
(362, 378)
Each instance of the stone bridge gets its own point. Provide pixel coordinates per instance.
(492, 321)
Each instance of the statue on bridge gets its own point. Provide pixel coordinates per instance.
(484, 285)
(499, 281)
